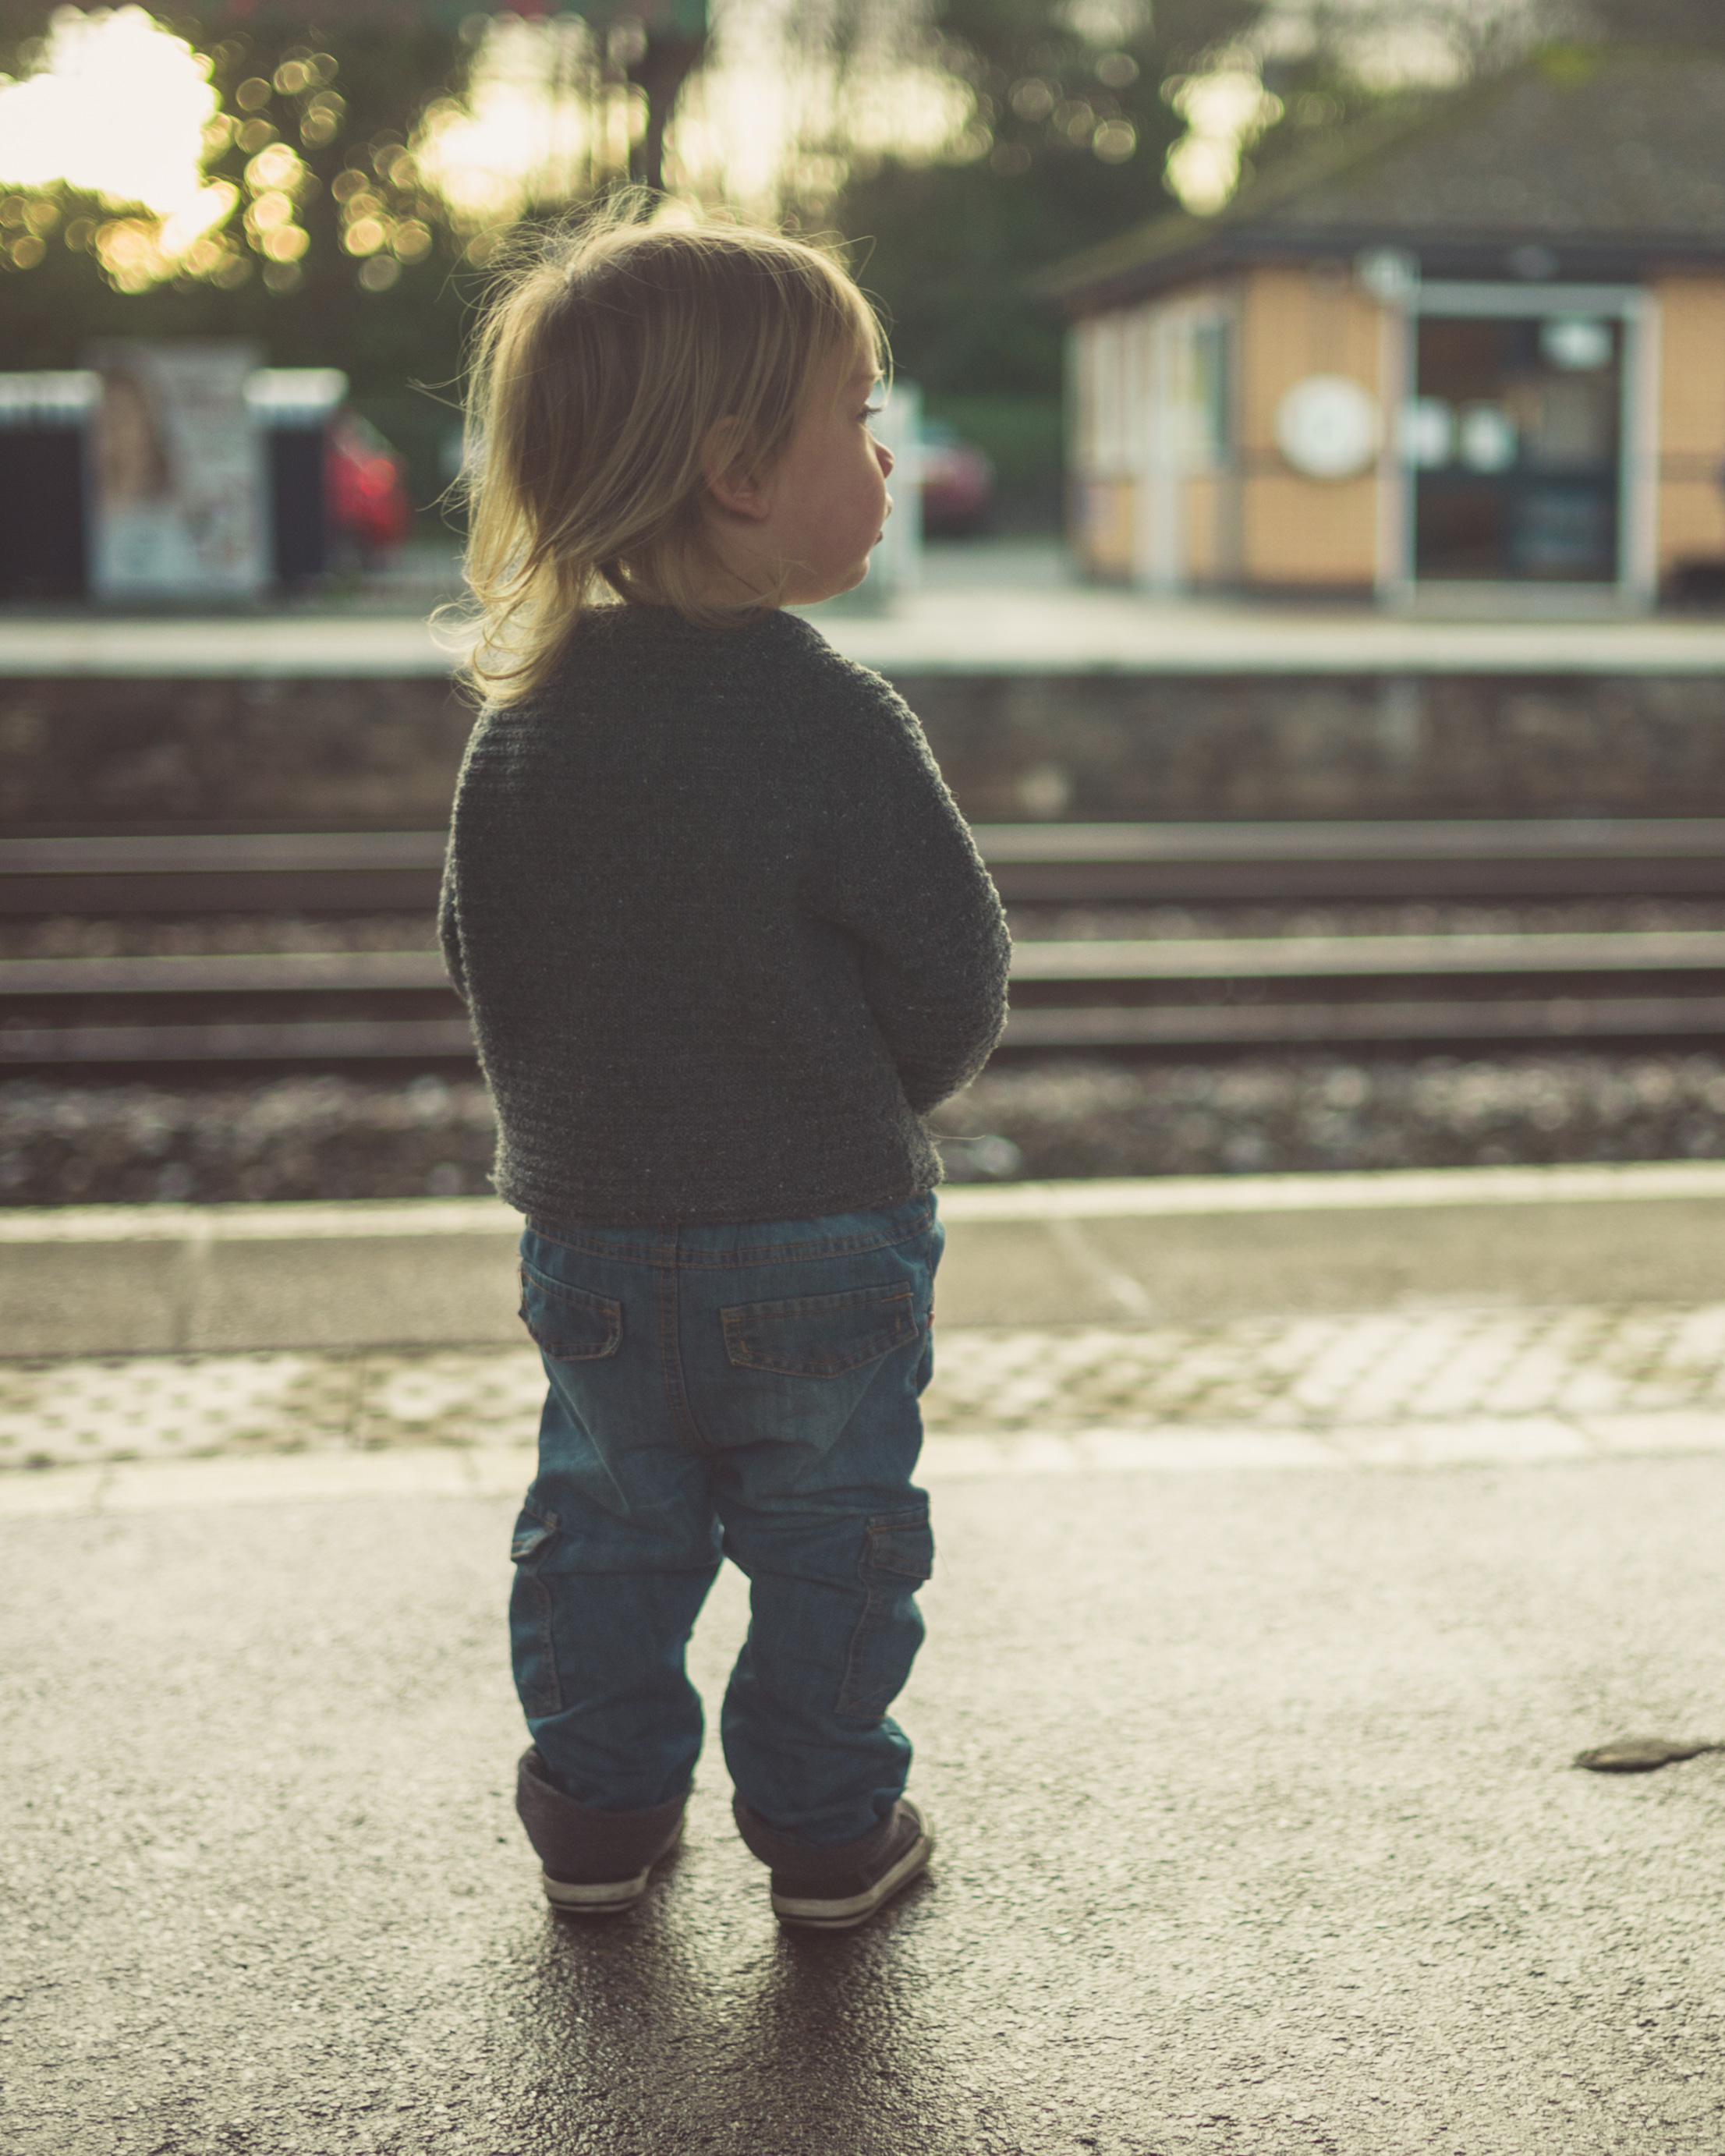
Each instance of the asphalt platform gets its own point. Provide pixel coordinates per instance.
(1250, 1764)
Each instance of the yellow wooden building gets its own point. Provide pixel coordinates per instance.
(1474, 355)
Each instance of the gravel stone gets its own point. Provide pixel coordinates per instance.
(1077, 1117)
(327, 1137)
(303, 1137)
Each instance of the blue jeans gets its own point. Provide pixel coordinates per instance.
(750, 1392)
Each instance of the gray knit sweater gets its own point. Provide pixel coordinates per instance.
(723, 934)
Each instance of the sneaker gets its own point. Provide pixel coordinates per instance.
(606, 1897)
(824, 1897)
(596, 1864)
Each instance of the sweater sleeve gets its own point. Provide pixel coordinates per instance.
(899, 871)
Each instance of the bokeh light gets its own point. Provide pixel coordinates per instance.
(1225, 110)
(773, 117)
(531, 127)
(778, 114)
(121, 110)
(118, 109)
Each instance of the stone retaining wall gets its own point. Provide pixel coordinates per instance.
(89, 754)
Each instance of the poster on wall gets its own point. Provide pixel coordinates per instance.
(177, 478)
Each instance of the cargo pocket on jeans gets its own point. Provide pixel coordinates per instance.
(897, 1557)
(533, 1649)
(567, 1323)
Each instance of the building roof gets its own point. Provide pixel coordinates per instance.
(1580, 163)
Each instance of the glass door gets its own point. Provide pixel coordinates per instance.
(1516, 439)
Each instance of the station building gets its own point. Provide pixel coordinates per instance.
(1470, 355)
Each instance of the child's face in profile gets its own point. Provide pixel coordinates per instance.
(821, 507)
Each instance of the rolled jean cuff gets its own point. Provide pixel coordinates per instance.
(576, 1843)
(809, 1859)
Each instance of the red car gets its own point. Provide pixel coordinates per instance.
(958, 482)
(365, 486)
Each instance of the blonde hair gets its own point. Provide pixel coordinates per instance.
(605, 360)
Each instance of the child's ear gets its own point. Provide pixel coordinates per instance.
(733, 477)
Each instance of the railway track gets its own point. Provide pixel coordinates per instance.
(1050, 863)
(1194, 994)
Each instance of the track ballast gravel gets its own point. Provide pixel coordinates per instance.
(330, 1138)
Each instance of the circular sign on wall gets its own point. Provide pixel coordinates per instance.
(1328, 427)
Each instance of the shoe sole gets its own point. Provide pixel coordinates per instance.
(819, 1916)
(610, 1899)
(607, 1897)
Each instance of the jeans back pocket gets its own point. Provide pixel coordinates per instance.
(819, 1335)
(567, 1323)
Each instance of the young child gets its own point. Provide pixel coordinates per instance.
(724, 940)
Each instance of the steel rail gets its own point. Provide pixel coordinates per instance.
(205, 871)
(269, 972)
(1567, 1018)
(1337, 958)
(1570, 1020)
(1100, 961)
(1642, 838)
(1686, 968)
(303, 1040)
(210, 853)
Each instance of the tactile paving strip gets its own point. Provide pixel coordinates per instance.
(1320, 1372)
(1273, 1374)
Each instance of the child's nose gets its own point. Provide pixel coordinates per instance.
(885, 456)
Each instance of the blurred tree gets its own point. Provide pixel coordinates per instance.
(274, 64)
(305, 133)
(661, 44)
(1335, 35)
(1409, 44)
(318, 112)
(1076, 115)
(1697, 23)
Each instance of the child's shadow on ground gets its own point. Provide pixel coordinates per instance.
(695, 2024)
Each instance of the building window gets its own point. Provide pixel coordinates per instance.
(1210, 402)
(1516, 440)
